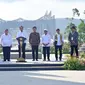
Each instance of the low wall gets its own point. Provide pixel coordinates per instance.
(15, 55)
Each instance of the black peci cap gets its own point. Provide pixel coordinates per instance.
(35, 27)
(6, 29)
(73, 27)
(21, 27)
(57, 29)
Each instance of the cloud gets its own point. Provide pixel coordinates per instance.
(71, 0)
(34, 9)
(9, 1)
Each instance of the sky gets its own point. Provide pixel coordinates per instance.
(34, 9)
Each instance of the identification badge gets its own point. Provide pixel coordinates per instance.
(71, 38)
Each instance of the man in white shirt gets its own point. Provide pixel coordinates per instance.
(6, 42)
(46, 40)
(58, 42)
(21, 33)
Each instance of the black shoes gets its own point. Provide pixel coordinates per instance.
(45, 60)
(48, 59)
(5, 60)
(59, 59)
(34, 60)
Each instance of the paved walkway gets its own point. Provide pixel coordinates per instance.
(40, 61)
(43, 78)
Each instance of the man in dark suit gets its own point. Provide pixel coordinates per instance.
(73, 39)
(34, 40)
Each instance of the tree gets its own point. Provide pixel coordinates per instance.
(81, 31)
(67, 30)
(75, 12)
(81, 26)
(84, 11)
(70, 24)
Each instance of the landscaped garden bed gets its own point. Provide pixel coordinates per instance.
(73, 63)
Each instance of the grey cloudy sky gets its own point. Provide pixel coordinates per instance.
(34, 9)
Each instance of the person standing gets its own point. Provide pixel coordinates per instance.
(34, 40)
(6, 42)
(73, 39)
(46, 40)
(58, 43)
(21, 33)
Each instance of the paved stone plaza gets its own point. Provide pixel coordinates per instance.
(57, 77)
(42, 78)
(52, 60)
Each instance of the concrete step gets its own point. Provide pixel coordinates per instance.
(29, 67)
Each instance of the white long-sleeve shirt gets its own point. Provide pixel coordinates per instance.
(6, 40)
(46, 39)
(22, 34)
(59, 40)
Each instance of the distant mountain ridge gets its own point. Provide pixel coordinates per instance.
(63, 22)
(60, 23)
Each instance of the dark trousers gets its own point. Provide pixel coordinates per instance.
(74, 47)
(60, 52)
(6, 53)
(35, 52)
(23, 50)
(46, 50)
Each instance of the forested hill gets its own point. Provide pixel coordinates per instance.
(60, 23)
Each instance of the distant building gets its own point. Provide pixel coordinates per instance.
(45, 22)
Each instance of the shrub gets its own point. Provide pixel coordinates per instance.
(52, 49)
(0, 50)
(67, 56)
(66, 48)
(72, 64)
(82, 55)
(82, 64)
